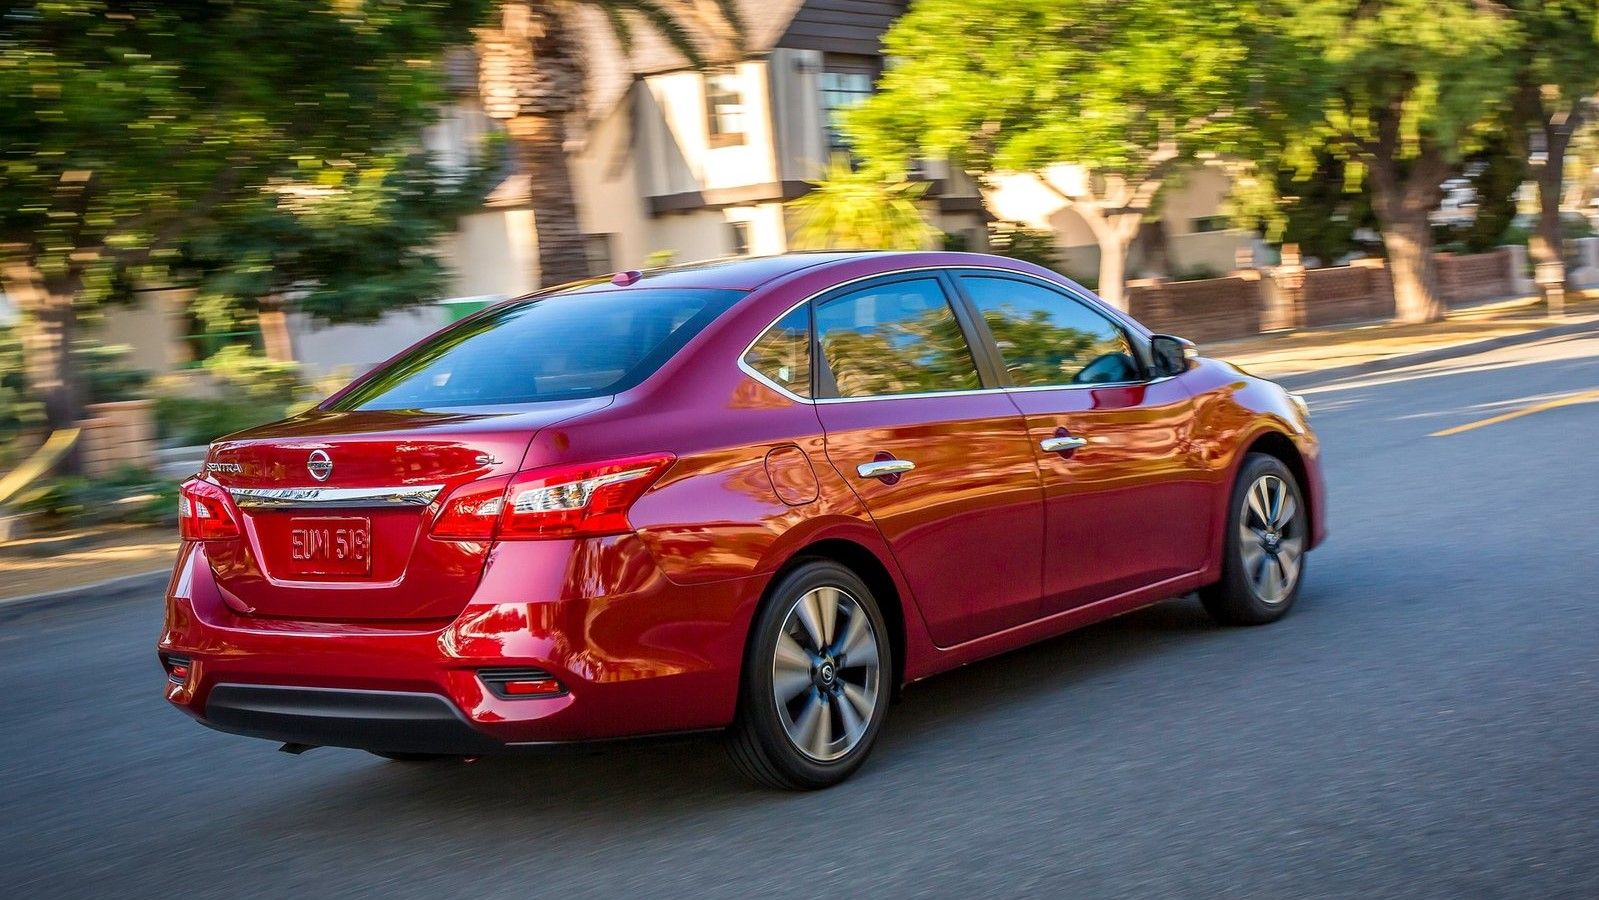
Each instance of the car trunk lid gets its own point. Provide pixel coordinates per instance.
(335, 509)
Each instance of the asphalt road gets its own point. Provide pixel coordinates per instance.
(1426, 724)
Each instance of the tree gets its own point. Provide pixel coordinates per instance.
(1557, 76)
(132, 123)
(531, 76)
(342, 243)
(860, 209)
(1397, 88)
(1104, 100)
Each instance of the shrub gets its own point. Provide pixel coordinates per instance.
(128, 496)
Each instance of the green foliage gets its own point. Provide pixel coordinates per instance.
(861, 209)
(128, 496)
(345, 243)
(1503, 162)
(247, 390)
(129, 124)
(19, 414)
(1117, 85)
(105, 372)
(1017, 241)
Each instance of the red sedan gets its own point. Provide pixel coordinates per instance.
(755, 496)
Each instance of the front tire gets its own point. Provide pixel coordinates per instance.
(1267, 534)
(815, 685)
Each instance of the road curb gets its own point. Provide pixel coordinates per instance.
(1306, 379)
(110, 589)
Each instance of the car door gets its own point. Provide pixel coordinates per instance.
(1125, 505)
(941, 459)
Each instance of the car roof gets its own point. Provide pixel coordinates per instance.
(741, 273)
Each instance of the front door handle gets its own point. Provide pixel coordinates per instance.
(883, 468)
(1064, 443)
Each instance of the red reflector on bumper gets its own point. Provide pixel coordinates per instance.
(532, 688)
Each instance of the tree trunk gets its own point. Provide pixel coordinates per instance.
(45, 329)
(1408, 241)
(1113, 270)
(273, 321)
(1402, 205)
(1546, 245)
(539, 144)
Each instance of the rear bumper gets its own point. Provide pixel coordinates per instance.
(391, 721)
(656, 658)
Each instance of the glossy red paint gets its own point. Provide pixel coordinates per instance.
(990, 543)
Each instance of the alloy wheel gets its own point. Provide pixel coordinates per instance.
(1271, 539)
(826, 674)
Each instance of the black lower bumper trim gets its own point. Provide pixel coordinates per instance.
(383, 721)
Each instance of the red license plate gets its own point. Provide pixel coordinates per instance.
(330, 546)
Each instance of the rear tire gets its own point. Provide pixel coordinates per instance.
(816, 681)
(1263, 561)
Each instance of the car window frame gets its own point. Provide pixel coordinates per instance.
(825, 390)
(1135, 341)
(985, 351)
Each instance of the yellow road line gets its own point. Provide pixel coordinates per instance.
(1544, 406)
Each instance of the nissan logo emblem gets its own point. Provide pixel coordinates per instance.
(320, 465)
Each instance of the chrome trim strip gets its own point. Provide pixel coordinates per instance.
(335, 498)
(1096, 304)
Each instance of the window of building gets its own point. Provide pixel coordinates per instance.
(597, 250)
(739, 238)
(783, 354)
(1046, 338)
(1205, 224)
(724, 108)
(840, 91)
(897, 338)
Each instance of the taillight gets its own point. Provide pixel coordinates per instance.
(204, 512)
(472, 510)
(562, 502)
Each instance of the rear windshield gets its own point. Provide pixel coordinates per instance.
(560, 347)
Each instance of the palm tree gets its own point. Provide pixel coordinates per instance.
(531, 77)
(861, 209)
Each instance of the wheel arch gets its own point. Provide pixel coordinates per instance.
(869, 568)
(1281, 447)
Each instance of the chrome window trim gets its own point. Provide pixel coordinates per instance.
(1095, 304)
(335, 498)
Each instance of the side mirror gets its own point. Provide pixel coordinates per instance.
(1171, 355)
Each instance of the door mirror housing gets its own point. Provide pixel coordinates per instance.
(1171, 355)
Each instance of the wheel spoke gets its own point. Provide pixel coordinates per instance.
(849, 718)
(860, 703)
(809, 722)
(822, 738)
(791, 669)
(1275, 491)
(859, 646)
(827, 601)
(1289, 563)
(810, 618)
(1258, 503)
(1252, 552)
(1285, 513)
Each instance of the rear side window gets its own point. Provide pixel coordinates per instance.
(1047, 338)
(897, 338)
(783, 354)
(560, 347)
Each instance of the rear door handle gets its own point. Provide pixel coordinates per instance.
(1063, 443)
(880, 468)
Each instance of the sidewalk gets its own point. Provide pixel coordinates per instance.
(1294, 353)
(79, 559)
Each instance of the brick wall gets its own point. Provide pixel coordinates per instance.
(116, 435)
(1214, 309)
(1475, 276)
(1354, 293)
